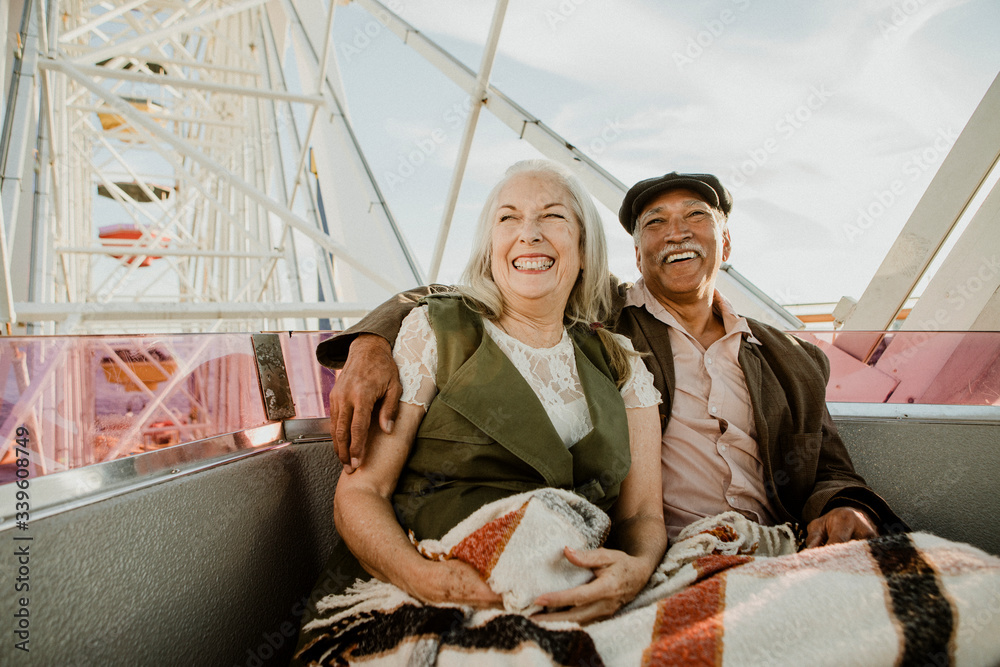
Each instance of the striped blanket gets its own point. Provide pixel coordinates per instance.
(728, 592)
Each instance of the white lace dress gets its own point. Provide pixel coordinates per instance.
(550, 372)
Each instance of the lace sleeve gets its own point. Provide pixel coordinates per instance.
(415, 354)
(639, 391)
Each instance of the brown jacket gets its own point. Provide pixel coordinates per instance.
(806, 466)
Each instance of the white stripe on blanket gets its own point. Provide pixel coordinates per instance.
(728, 592)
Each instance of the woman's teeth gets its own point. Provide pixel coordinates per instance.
(533, 264)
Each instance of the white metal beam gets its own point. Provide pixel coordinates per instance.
(180, 82)
(324, 59)
(477, 98)
(606, 188)
(964, 284)
(133, 45)
(131, 249)
(137, 119)
(100, 20)
(966, 166)
(156, 311)
(350, 190)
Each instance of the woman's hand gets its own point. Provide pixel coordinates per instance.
(618, 579)
(450, 582)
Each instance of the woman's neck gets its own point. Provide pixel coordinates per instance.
(539, 331)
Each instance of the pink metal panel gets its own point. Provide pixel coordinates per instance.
(924, 367)
(850, 380)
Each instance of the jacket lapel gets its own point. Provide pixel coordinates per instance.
(490, 392)
(749, 358)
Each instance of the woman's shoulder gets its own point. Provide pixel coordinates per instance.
(418, 314)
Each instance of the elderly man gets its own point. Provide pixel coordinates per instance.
(744, 420)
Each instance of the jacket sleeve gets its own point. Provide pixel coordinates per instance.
(384, 321)
(837, 483)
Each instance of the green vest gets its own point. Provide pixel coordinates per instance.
(486, 435)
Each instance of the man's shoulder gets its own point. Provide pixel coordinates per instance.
(762, 330)
(780, 344)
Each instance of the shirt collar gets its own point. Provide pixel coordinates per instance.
(639, 296)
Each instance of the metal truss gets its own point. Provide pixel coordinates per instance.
(179, 152)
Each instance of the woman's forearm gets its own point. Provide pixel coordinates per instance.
(362, 506)
(368, 526)
(642, 536)
(638, 522)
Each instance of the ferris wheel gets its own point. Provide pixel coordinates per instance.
(192, 166)
(194, 169)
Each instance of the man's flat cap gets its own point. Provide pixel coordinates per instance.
(643, 192)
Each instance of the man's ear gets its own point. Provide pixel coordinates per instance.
(638, 262)
(727, 245)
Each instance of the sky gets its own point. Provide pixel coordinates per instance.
(826, 120)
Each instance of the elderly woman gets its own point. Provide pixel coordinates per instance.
(514, 385)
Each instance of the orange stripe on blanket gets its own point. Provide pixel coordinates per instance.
(706, 566)
(482, 548)
(688, 627)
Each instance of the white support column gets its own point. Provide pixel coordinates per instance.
(953, 187)
(7, 312)
(16, 128)
(963, 286)
(478, 98)
(320, 79)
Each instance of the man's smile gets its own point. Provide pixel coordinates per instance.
(672, 255)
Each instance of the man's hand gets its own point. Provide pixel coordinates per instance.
(369, 374)
(618, 578)
(841, 524)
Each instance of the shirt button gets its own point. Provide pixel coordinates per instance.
(722, 448)
(732, 500)
(714, 409)
(708, 360)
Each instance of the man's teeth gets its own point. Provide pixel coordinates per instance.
(534, 264)
(681, 255)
